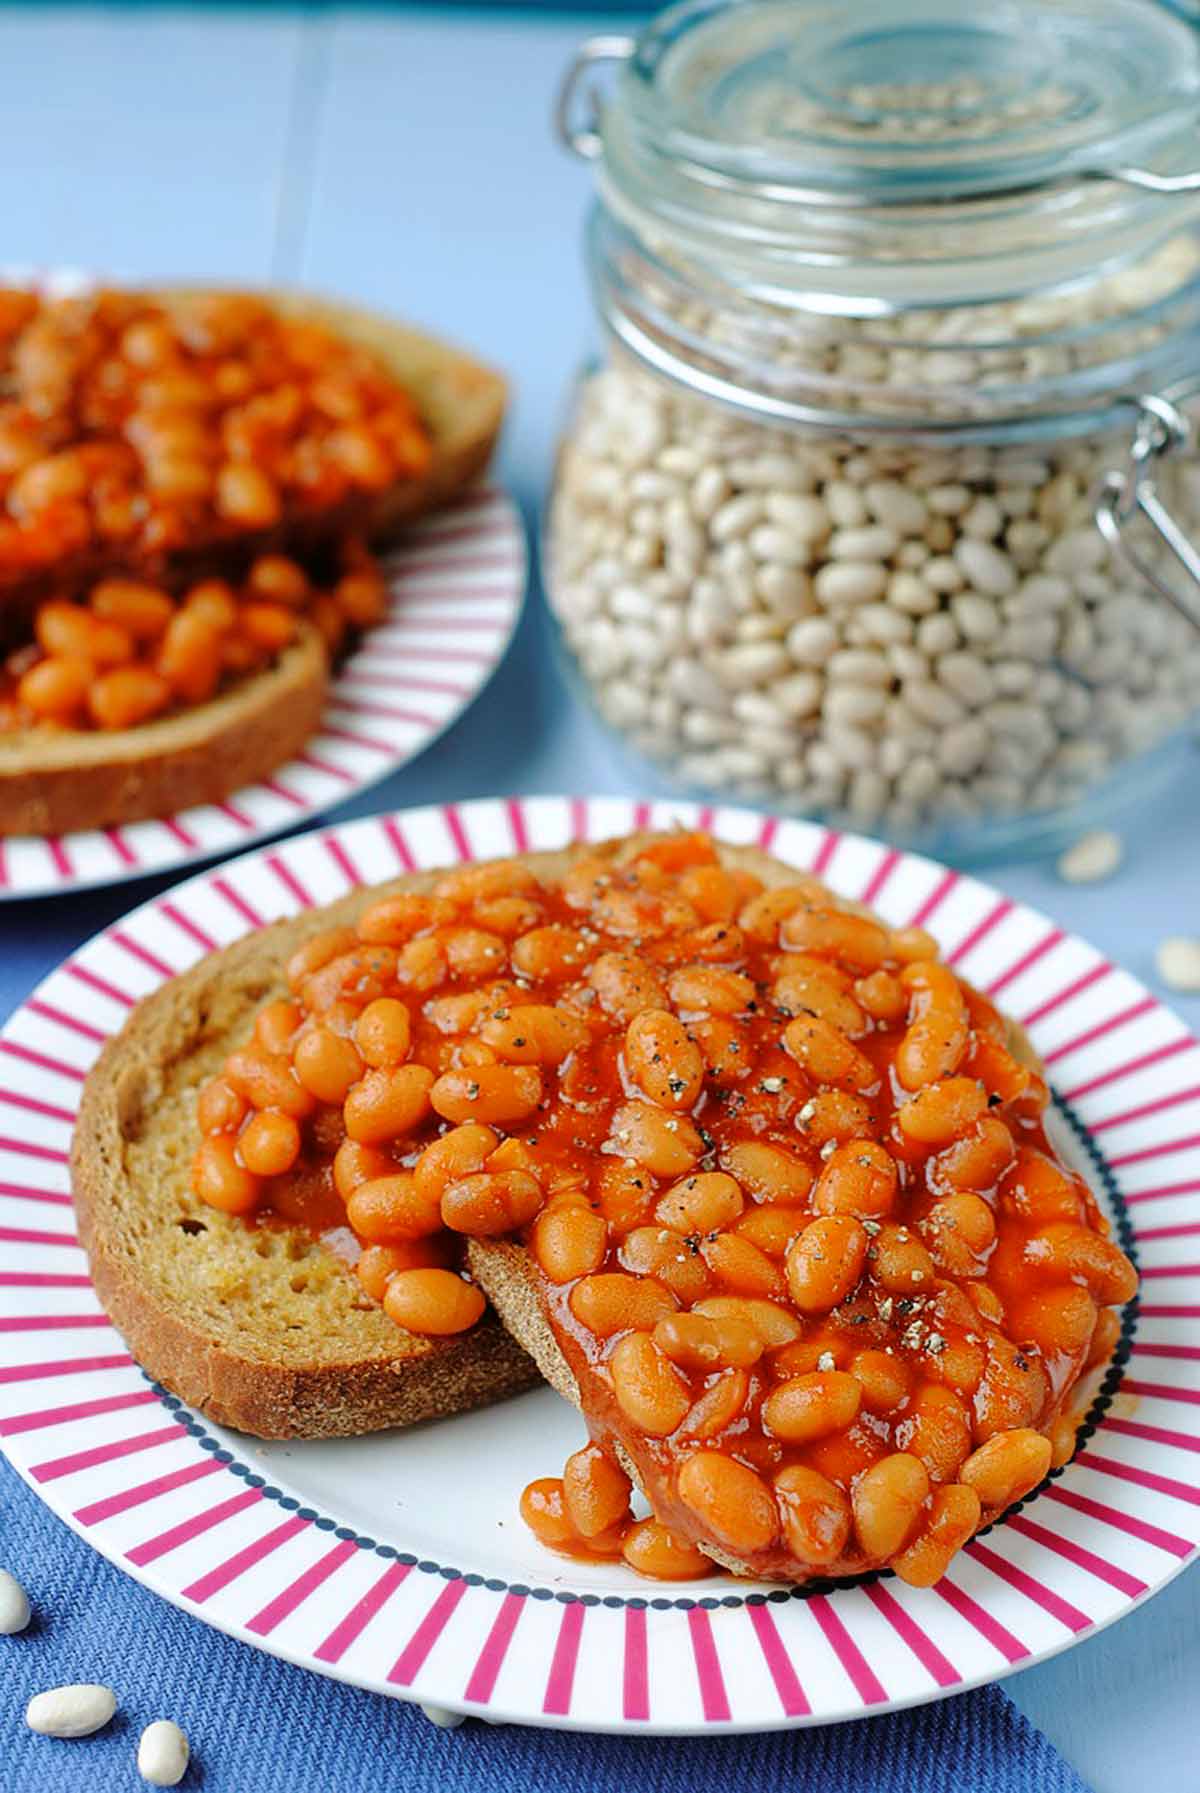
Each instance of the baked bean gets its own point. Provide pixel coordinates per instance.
(851, 939)
(379, 1263)
(720, 1404)
(887, 1500)
(491, 1202)
(278, 580)
(730, 1501)
(953, 1520)
(220, 1108)
(457, 1154)
(143, 611)
(508, 915)
(127, 697)
(937, 1429)
(550, 954)
(807, 991)
(1063, 1250)
(775, 1325)
(885, 1380)
(833, 1114)
(662, 1253)
(705, 990)
(808, 1407)
(383, 1033)
(978, 1160)
(763, 915)
(189, 656)
(667, 1145)
(221, 1180)
(473, 952)
(713, 892)
(882, 996)
(823, 1348)
(1058, 1321)
(595, 1492)
(1007, 1466)
(469, 884)
(959, 1230)
(213, 601)
(544, 1510)
(942, 1112)
(569, 1242)
(269, 626)
(317, 952)
(497, 1095)
(673, 852)
(724, 1048)
(858, 1178)
(814, 1513)
(986, 1301)
(900, 1262)
(391, 1208)
(1040, 1191)
(662, 1060)
(432, 1301)
(327, 1065)
(389, 1104)
(359, 976)
(354, 1164)
(1064, 1436)
(624, 1194)
(394, 920)
(460, 1012)
(1105, 1338)
(649, 1389)
(742, 1267)
(270, 1144)
(826, 1262)
(935, 1041)
(772, 1229)
(701, 1203)
(1004, 1077)
(421, 966)
(698, 1343)
(625, 984)
(1014, 1390)
(650, 1549)
(277, 1025)
(266, 1080)
(55, 689)
(533, 1034)
(245, 494)
(610, 1302)
(827, 1054)
(767, 1173)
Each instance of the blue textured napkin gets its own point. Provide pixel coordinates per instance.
(257, 1725)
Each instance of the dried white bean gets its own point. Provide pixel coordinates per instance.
(1178, 962)
(849, 582)
(987, 568)
(14, 1605)
(163, 1754)
(438, 1715)
(1094, 857)
(72, 1711)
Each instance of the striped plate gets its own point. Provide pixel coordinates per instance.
(394, 1563)
(457, 583)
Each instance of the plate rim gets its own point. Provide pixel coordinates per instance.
(459, 818)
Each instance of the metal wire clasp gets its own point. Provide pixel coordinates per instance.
(583, 135)
(1125, 493)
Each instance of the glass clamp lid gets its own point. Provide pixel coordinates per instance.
(1068, 126)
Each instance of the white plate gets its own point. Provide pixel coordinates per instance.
(456, 584)
(399, 1562)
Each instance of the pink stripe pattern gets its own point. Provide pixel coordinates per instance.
(348, 1630)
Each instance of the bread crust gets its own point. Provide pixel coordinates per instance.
(53, 783)
(459, 398)
(130, 1160)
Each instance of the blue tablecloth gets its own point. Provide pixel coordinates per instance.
(261, 1726)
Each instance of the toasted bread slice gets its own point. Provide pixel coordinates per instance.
(263, 1328)
(460, 400)
(54, 782)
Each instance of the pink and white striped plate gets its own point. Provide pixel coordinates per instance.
(457, 582)
(398, 1562)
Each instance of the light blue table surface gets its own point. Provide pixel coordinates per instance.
(405, 158)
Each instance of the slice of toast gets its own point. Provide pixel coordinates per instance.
(52, 782)
(263, 1328)
(460, 400)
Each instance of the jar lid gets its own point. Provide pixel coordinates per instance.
(838, 151)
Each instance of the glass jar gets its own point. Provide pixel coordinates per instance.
(897, 303)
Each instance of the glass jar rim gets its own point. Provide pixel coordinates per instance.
(1046, 138)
